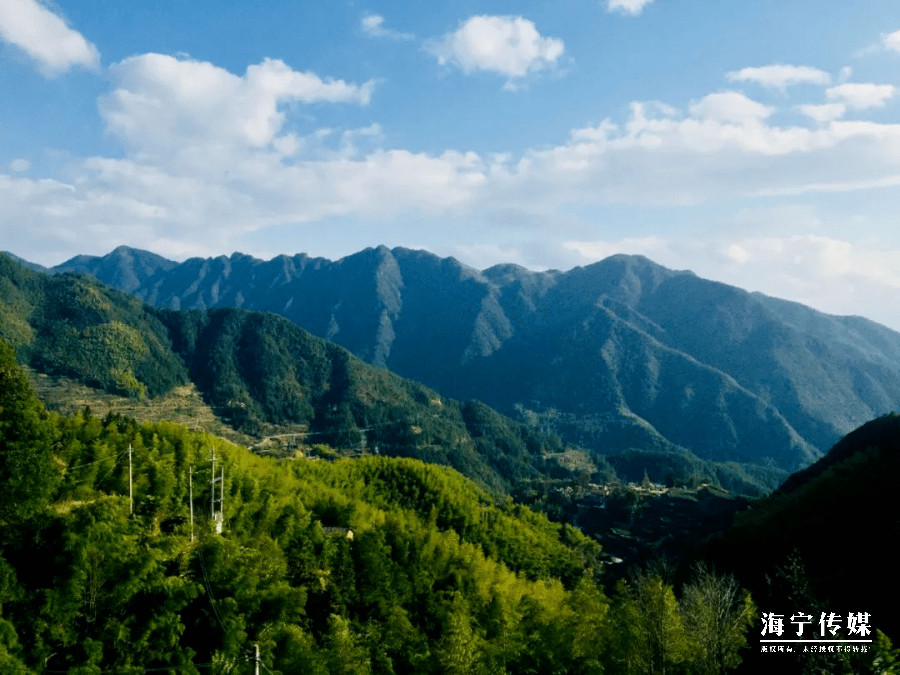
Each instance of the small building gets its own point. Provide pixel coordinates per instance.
(338, 531)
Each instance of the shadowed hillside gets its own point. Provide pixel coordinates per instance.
(824, 541)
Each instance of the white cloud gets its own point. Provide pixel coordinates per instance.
(862, 95)
(164, 102)
(632, 7)
(211, 156)
(825, 112)
(44, 36)
(260, 191)
(726, 147)
(770, 220)
(892, 41)
(506, 45)
(62, 218)
(730, 106)
(143, 201)
(781, 76)
(20, 165)
(206, 146)
(373, 26)
(846, 185)
(481, 256)
(826, 272)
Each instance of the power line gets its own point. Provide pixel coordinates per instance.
(158, 669)
(212, 600)
(103, 477)
(104, 459)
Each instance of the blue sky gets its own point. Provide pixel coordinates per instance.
(754, 142)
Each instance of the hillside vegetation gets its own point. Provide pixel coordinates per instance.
(825, 541)
(838, 520)
(372, 565)
(69, 325)
(259, 373)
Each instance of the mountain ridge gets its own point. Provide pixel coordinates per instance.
(507, 335)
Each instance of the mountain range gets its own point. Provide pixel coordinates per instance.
(260, 373)
(617, 355)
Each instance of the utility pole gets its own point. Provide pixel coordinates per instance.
(221, 522)
(191, 498)
(218, 519)
(130, 491)
(212, 501)
(256, 659)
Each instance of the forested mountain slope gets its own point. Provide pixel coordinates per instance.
(619, 354)
(257, 370)
(831, 530)
(110, 561)
(91, 580)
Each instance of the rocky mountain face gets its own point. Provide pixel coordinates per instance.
(619, 354)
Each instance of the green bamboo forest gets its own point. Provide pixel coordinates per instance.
(350, 566)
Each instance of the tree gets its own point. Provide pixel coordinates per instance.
(654, 638)
(716, 615)
(9, 664)
(886, 659)
(9, 641)
(346, 656)
(459, 650)
(588, 627)
(27, 473)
